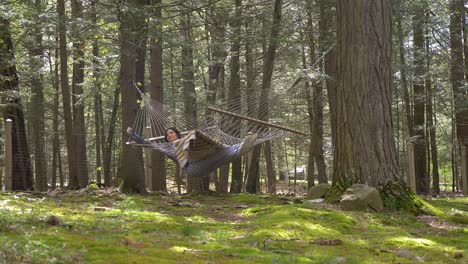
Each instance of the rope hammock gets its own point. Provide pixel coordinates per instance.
(228, 130)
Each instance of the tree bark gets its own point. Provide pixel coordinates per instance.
(325, 37)
(431, 116)
(157, 93)
(98, 115)
(56, 156)
(268, 64)
(22, 177)
(131, 159)
(109, 145)
(365, 149)
(234, 94)
(67, 112)
(77, 97)
(419, 139)
(189, 93)
(37, 101)
(456, 56)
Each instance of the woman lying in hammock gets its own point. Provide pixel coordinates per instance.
(192, 153)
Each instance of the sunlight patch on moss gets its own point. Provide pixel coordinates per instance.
(179, 249)
(199, 219)
(413, 242)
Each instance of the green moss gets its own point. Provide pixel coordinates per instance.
(217, 229)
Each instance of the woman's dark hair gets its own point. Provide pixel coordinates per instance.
(173, 129)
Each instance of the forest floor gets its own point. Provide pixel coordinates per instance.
(105, 226)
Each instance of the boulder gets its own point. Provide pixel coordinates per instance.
(360, 197)
(318, 191)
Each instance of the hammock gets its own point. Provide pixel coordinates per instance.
(228, 131)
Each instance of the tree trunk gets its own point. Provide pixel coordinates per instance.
(234, 94)
(189, 94)
(431, 116)
(107, 153)
(67, 112)
(157, 93)
(98, 115)
(456, 56)
(465, 40)
(310, 107)
(77, 96)
(131, 158)
(215, 74)
(422, 179)
(325, 38)
(365, 149)
(22, 177)
(56, 160)
(268, 65)
(403, 75)
(37, 102)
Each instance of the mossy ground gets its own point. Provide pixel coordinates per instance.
(109, 227)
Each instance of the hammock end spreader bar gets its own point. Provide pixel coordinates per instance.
(257, 121)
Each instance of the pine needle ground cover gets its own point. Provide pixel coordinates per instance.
(96, 226)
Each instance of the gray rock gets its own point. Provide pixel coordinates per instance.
(318, 191)
(360, 197)
(403, 253)
(338, 260)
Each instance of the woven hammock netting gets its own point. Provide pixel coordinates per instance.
(225, 124)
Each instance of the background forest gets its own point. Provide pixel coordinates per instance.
(74, 63)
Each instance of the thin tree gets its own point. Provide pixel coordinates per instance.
(157, 93)
(419, 138)
(79, 130)
(199, 184)
(234, 92)
(67, 111)
(268, 64)
(430, 114)
(37, 99)
(98, 113)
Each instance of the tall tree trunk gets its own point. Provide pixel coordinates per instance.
(310, 109)
(456, 56)
(431, 115)
(56, 155)
(157, 93)
(422, 179)
(189, 94)
(268, 64)
(67, 112)
(216, 73)
(403, 75)
(98, 115)
(234, 93)
(325, 38)
(22, 177)
(109, 145)
(465, 40)
(251, 166)
(365, 148)
(308, 93)
(37, 101)
(77, 96)
(131, 158)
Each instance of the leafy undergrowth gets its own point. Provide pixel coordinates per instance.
(103, 226)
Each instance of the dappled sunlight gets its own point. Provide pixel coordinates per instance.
(411, 241)
(199, 219)
(310, 228)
